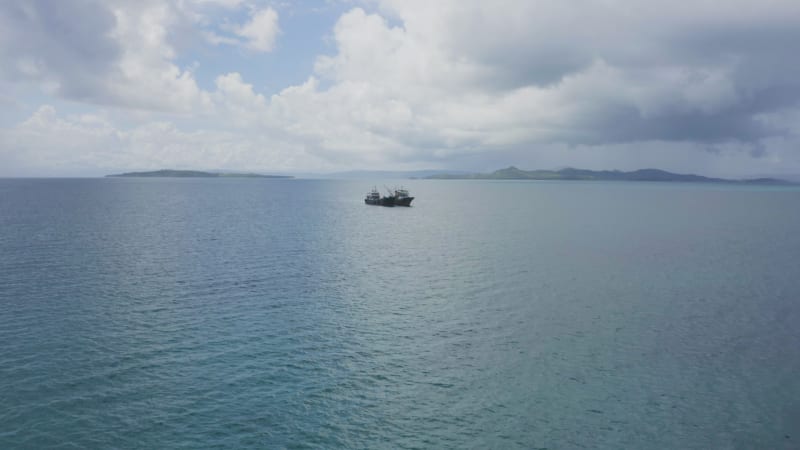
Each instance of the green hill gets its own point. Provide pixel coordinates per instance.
(513, 173)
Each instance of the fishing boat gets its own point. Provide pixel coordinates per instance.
(401, 197)
(374, 198)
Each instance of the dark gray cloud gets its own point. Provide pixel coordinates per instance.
(608, 123)
(66, 43)
(750, 48)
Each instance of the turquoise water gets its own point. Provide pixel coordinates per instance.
(194, 313)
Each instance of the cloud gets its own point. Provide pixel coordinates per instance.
(262, 29)
(238, 103)
(412, 83)
(66, 46)
(258, 34)
(48, 143)
(108, 53)
(441, 79)
(146, 76)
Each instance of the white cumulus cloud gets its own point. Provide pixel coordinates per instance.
(412, 83)
(260, 32)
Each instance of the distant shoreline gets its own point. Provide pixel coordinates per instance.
(570, 174)
(168, 173)
(509, 173)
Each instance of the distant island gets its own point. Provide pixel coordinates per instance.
(513, 173)
(195, 174)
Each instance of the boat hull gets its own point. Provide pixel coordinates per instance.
(383, 201)
(405, 201)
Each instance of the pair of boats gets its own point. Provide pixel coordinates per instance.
(399, 197)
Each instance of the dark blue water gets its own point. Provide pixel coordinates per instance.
(162, 313)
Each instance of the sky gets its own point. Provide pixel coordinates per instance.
(95, 87)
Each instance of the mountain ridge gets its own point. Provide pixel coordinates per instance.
(573, 174)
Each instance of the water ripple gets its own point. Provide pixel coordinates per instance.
(286, 314)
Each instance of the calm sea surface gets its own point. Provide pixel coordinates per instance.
(193, 313)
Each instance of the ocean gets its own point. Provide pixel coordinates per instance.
(233, 313)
